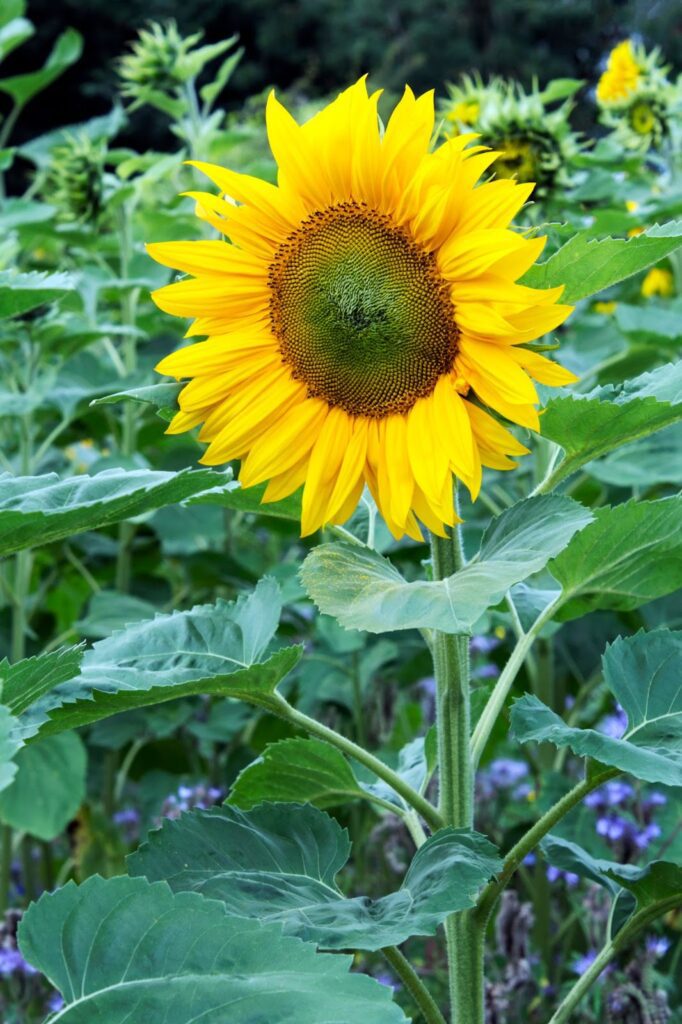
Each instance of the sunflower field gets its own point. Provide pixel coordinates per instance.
(341, 537)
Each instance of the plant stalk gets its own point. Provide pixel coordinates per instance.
(463, 933)
(414, 985)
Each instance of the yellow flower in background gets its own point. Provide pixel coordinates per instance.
(658, 282)
(464, 112)
(631, 205)
(621, 76)
(365, 320)
(607, 308)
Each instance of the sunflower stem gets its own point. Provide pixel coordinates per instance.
(463, 931)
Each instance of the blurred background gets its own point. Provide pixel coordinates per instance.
(313, 47)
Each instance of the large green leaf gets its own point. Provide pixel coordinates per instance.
(9, 745)
(121, 950)
(278, 862)
(643, 673)
(249, 499)
(36, 510)
(645, 463)
(301, 770)
(589, 426)
(25, 682)
(65, 52)
(585, 265)
(629, 555)
(219, 649)
(364, 591)
(48, 788)
(20, 293)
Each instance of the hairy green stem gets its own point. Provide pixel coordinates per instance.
(414, 985)
(411, 797)
(5, 865)
(504, 684)
(463, 935)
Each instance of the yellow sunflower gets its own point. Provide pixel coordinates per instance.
(621, 76)
(363, 318)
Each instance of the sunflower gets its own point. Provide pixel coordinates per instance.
(622, 74)
(365, 319)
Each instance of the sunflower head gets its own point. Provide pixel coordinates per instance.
(535, 143)
(75, 181)
(636, 98)
(364, 324)
(158, 60)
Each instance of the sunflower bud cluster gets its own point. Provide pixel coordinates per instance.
(636, 98)
(532, 134)
(160, 60)
(74, 183)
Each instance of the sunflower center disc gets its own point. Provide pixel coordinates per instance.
(360, 312)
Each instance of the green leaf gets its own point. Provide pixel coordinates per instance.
(210, 92)
(585, 265)
(589, 426)
(40, 509)
(110, 611)
(643, 674)
(234, 496)
(646, 463)
(300, 770)
(66, 51)
(217, 648)
(13, 33)
(20, 293)
(649, 322)
(48, 788)
(122, 950)
(24, 682)
(364, 591)
(629, 555)
(278, 862)
(163, 397)
(9, 745)
(569, 856)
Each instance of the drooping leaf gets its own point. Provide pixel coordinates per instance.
(48, 788)
(586, 266)
(643, 674)
(218, 648)
(120, 948)
(65, 52)
(26, 681)
(20, 293)
(37, 510)
(590, 426)
(249, 499)
(278, 862)
(629, 555)
(364, 591)
(163, 397)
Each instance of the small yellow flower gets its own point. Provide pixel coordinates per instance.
(621, 76)
(631, 205)
(639, 230)
(464, 112)
(605, 308)
(658, 282)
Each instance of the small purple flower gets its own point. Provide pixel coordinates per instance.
(55, 1003)
(614, 725)
(583, 963)
(504, 772)
(647, 836)
(529, 860)
(483, 644)
(12, 962)
(487, 671)
(384, 978)
(657, 946)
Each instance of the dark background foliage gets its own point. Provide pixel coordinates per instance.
(315, 46)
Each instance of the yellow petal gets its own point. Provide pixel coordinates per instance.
(287, 441)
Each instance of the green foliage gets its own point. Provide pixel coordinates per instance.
(48, 788)
(586, 266)
(364, 591)
(190, 959)
(279, 862)
(642, 672)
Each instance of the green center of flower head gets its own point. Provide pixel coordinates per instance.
(518, 160)
(642, 118)
(360, 312)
